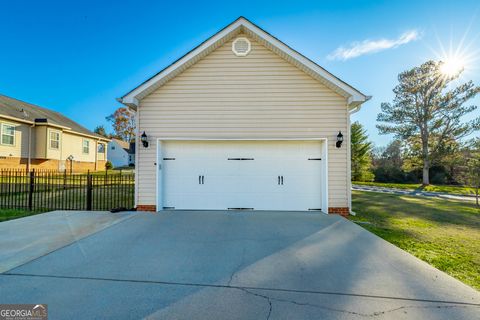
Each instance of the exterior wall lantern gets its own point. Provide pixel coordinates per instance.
(144, 139)
(339, 139)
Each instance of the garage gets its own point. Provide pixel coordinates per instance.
(242, 175)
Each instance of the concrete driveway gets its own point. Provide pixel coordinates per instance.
(236, 265)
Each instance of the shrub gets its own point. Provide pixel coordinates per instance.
(108, 165)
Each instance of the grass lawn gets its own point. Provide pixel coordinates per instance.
(444, 233)
(417, 186)
(9, 214)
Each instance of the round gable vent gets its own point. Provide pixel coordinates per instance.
(241, 47)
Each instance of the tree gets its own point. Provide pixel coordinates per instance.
(471, 173)
(101, 131)
(388, 164)
(389, 156)
(426, 108)
(123, 123)
(361, 150)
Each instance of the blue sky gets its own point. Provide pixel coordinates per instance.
(78, 56)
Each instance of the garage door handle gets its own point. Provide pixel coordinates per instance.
(201, 179)
(280, 180)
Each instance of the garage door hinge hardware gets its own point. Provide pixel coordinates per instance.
(241, 159)
(201, 179)
(168, 158)
(280, 180)
(314, 158)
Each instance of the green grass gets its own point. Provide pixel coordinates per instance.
(10, 214)
(417, 186)
(444, 233)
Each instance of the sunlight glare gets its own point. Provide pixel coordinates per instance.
(452, 66)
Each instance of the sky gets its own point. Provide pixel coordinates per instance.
(77, 57)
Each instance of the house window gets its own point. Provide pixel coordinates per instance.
(8, 134)
(86, 146)
(54, 139)
(101, 148)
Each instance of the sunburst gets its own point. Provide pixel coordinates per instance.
(460, 58)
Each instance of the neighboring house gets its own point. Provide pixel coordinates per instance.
(33, 137)
(243, 122)
(120, 153)
(131, 154)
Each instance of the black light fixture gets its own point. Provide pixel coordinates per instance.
(144, 139)
(339, 139)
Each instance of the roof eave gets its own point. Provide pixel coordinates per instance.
(355, 104)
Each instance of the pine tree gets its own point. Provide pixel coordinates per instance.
(428, 110)
(361, 154)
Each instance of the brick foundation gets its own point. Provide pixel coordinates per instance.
(343, 211)
(147, 207)
(49, 164)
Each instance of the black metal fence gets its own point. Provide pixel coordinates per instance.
(47, 190)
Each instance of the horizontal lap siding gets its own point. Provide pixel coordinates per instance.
(257, 96)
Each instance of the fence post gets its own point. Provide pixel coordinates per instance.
(89, 191)
(31, 190)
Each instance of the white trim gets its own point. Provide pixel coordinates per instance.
(137, 155)
(14, 134)
(83, 146)
(50, 138)
(159, 161)
(325, 175)
(241, 54)
(349, 162)
(132, 98)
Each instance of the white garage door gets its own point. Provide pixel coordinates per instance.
(259, 175)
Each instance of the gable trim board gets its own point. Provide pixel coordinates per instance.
(271, 95)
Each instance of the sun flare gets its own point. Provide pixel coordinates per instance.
(459, 56)
(452, 66)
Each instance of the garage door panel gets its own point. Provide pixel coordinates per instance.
(203, 177)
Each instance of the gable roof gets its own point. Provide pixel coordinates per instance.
(30, 113)
(242, 25)
(123, 144)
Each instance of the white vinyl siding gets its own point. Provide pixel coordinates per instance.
(8, 134)
(258, 96)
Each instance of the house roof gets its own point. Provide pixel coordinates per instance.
(242, 25)
(123, 144)
(30, 113)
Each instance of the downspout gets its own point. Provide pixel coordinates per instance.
(352, 111)
(29, 160)
(96, 154)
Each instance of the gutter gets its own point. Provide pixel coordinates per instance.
(357, 108)
(353, 110)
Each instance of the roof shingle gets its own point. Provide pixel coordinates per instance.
(22, 110)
